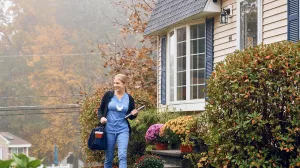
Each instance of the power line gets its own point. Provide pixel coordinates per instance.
(28, 109)
(71, 105)
(14, 97)
(50, 55)
(10, 108)
(57, 112)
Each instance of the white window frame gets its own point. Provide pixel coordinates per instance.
(259, 23)
(185, 105)
(17, 151)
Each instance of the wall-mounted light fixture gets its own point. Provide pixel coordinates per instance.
(224, 16)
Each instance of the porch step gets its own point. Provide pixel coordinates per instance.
(172, 158)
(171, 166)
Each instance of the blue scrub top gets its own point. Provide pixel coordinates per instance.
(117, 109)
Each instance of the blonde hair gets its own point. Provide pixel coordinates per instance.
(123, 78)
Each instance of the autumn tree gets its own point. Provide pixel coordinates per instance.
(15, 87)
(46, 63)
(133, 53)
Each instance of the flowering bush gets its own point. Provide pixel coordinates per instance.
(181, 126)
(152, 134)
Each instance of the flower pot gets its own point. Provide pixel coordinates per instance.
(186, 148)
(161, 146)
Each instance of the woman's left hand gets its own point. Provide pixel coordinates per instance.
(134, 112)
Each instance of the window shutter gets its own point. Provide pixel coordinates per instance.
(209, 46)
(293, 20)
(209, 65)
(163, 70)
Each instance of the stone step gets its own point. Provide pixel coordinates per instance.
(171, 166)
(172, 153)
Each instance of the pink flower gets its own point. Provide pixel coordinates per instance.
(152, 133)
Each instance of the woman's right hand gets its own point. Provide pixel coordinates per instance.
(103, 120)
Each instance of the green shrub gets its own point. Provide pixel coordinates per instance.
(149, 161)
(5, 163)
(253, 108)
(139, 126)
(21, 161)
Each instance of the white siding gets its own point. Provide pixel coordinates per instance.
(223, 33)
(274, 21)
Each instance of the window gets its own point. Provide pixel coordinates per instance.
(197, 61)
(249, 23)
(16, 151)
(186, 63)
(181, 64)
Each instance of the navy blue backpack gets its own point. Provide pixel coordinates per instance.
(97, 143)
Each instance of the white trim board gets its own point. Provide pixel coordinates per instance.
(20, 146)
(199, 106)
(211, 6)
(6, 140)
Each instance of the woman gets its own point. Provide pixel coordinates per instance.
(115, 105)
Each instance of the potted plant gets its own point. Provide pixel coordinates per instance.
(173, 139)
(186, 144)
(182, 127)
(152, 136)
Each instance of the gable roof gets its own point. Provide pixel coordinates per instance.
(168, 12)
(12, 139)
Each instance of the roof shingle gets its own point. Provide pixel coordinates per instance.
(14, 140)
(168, 12)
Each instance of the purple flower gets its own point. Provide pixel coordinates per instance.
(152, 133)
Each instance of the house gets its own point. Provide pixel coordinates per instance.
(193, 38)
(10, 144)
